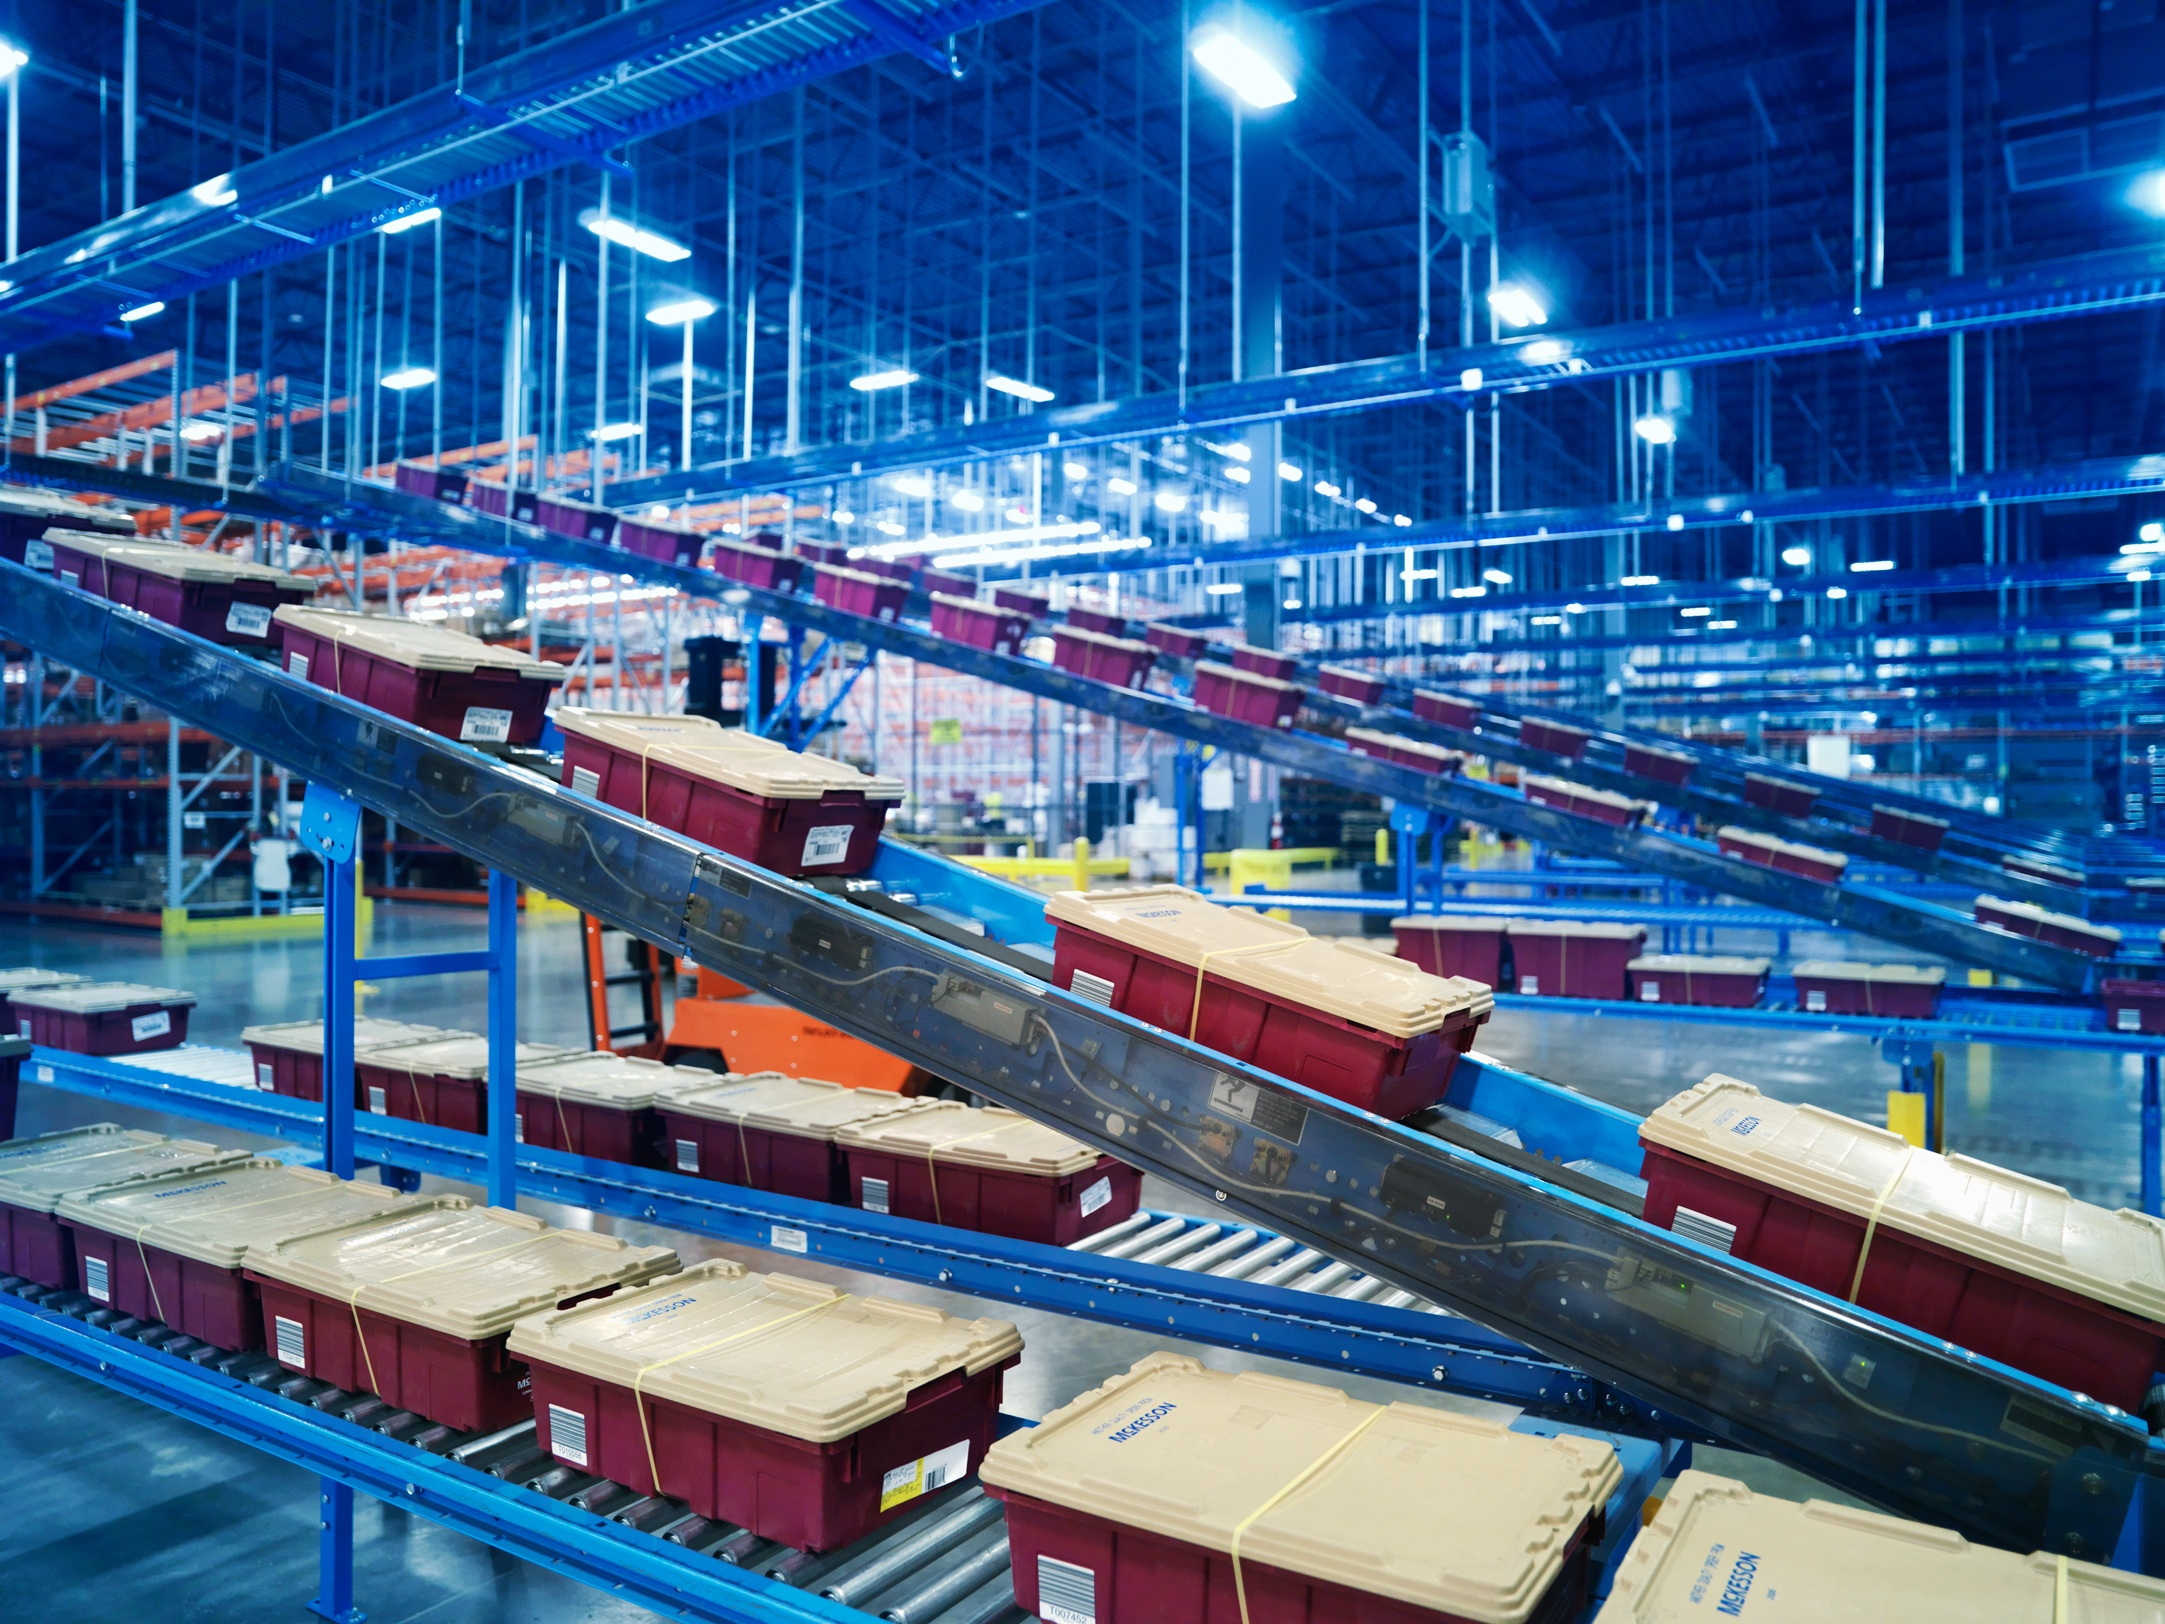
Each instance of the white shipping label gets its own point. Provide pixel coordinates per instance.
(71, 577)
(518, 1127)
(154, 1025)
(484, 725)
(298, 665)
(266, 1074)
(98, 1278)
(919, 1477)
(687, 1155)
(376, 1101)
(1097, 1195)
(292, 1342)
(1815, 1001)
(2127, 1020)
(829, 843)
(1066, 1592)
(249, 620)
(567, 1435)
(1649, 992)
(1095, 988)
(1530, 986)
(784, 1239)
(585, 781)
(1706, 1230)
(875, 1195)
(37, 555)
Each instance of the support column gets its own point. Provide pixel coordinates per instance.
(503, 1040)
(1259, 348)
(334, 1557)
(2153, 1126)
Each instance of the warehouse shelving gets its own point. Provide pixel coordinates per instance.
(1147, 1096)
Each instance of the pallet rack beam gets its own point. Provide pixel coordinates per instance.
(1716, 1345)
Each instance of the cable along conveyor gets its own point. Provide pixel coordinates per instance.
(1919, 1426)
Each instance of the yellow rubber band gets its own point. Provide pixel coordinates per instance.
(638, 1396)
(1871, 1224)
(932, 1167)
(1195, 1010)
(2059, 1591)
(1240, 1584)
(353, 1303)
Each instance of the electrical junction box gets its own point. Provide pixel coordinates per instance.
(1467, 193)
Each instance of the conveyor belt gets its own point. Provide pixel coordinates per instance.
(1877, 912)
(1909, 1422)
(943, 1562)
(337, 503)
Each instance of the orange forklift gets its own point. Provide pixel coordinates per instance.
(720, 1024)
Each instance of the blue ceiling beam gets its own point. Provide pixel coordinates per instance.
(574, 99)
(2047, 291)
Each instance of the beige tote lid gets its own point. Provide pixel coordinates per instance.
(794, 1356)
(462, 1054)
(2045, 916)
(306, 1037)
(1583, 792)
(1600, 930)
(1714, 1539)
(1774, 843)
(198, 564)
(1398, 741)
(824, 1116)
(1251, 679)
(1481, 924)
(1439, 1510)
(100, 997)
(215, 1214)
(97, 543)
(13, 980)
(733, 1096)
(1701, 964)
(451, 1266)
(1912, 975)
(416, 644)
(628, 730)
(620, 1082)
(36, 1173)
(2020, 1224)
(1325, 973)
(949, 1131)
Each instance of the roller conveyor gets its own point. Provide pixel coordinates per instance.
(1709, 1344)
(312, 496)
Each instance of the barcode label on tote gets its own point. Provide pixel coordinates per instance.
(785, 1239)
(376, 1101)
(1097, 1195)
(567, 1435)
(485, 725)
(154, 1025)
(292, 1342)
(298, 665)
(266, 1074)
(829, 843)
(875, 1194)
(98, 1278)
(585, 781)
(248, 620)
(2127, 1020)
(687, 1155)
(1650, 992)
(1697, 1226)
(71, 577)
(1066, 1593)
(1095, 988)
(37, 555)
(518, 1127)
(1815, 1001)
(1530, 986)
(920, 1477)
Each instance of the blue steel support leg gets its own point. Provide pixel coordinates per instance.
(2153, 1128)
(503, 1039)
(334, 1600)
(339, 923)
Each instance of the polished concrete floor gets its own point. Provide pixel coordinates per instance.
(123, 1513)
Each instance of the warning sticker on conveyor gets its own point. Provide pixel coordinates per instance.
(1259, 1107)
